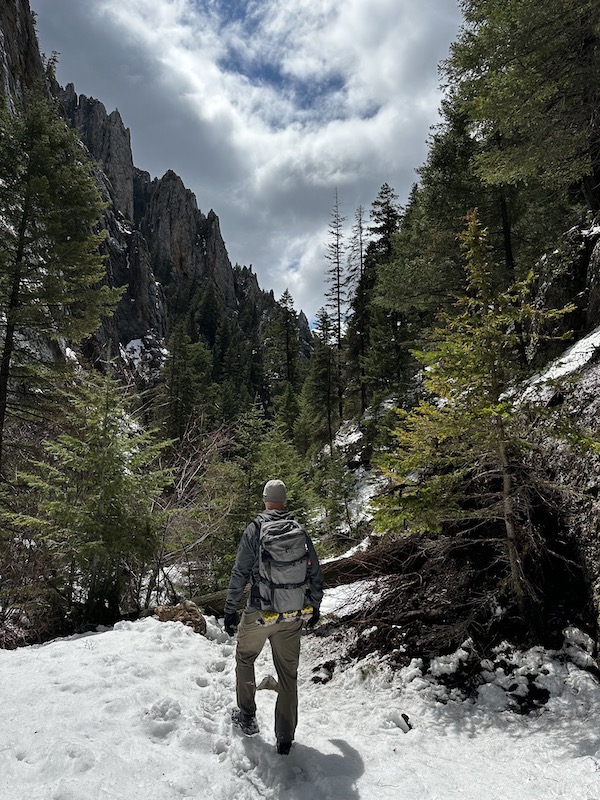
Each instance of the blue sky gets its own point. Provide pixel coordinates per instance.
(265, 107)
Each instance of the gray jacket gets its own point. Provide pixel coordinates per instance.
(246, 567)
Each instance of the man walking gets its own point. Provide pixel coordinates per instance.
(280, 591)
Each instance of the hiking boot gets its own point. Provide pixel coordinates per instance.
(246, 723)
(283, 748)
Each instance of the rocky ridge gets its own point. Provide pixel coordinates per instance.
(156, 235)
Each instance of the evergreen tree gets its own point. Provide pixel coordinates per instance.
(460, 457)
(386, 215)
(278, 458)
(318, 420)
(422, 277)
(361, 282)
(384, 360)
(528, 76)
(98, 489)
(334, 484)
(356, 252)
(187, 388)
(51, 270)
(207, 313)
(250, 430)
(284, 339)
(282, 352)
(336, 294)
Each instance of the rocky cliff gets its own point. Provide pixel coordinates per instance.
(156, 234)
(21, 65)
(187, 246)
(109, 142)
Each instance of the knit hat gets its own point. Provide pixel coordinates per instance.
(274, 492)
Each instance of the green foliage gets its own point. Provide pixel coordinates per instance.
(336, 295)
(248, 435)
(97, 493)
(361, 283)
(282, 344)
(279, 459)
(187, 392)
(386, 216)
(49, 202)
(380, 329)
(318, 418)
(334, 484)
(460, 453)
(528, 76)
(204, 516)
(284, 372)
(51, 272)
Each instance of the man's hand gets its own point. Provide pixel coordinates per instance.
(316, 615)
(231, 622)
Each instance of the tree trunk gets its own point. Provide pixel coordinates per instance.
(9, 339)
(512, 548)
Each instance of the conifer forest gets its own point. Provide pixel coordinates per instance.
(126, 483)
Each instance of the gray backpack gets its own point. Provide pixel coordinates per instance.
(282, 565)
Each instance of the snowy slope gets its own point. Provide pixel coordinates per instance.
(141, 712)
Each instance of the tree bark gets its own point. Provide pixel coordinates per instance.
(9, 339)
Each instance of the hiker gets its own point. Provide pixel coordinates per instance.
(283, 593)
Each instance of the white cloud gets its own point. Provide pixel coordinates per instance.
(264, 113)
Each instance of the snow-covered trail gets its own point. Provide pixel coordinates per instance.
(141, 712)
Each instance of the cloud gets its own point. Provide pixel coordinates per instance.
(265, 107)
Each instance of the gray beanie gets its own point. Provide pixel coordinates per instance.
(274, 492)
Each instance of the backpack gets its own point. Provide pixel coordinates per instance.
(282, 565)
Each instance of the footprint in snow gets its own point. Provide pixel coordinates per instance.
(162, 717)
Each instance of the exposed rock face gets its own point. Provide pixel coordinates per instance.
(579, 474)
(109, 143)
(250, 295)
(186, 612)
(20, 62)
(186, 245)
(593, 285)
(155, 230)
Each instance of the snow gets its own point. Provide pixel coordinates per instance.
(142, 712)
(574, 358)
(358, 548)
(145, 357)
(348, 434)
(134, 351)
(592, 231)
(349, 598)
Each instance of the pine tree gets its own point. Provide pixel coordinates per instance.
(528, 77)
(51, 271)
(460, 458)
(357, 248)
(98, 488)
(278, 458)
(187, 389)
(336, 294)
(318, 420)
(385, 356)
(386, 216)
(284, 336)
(249, 433)
(361, 282)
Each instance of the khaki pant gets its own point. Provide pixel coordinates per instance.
(285, 647)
